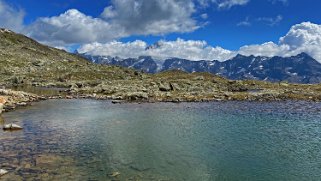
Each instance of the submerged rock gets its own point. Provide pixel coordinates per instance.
(3, 172)
(12, 127)
(115, 174)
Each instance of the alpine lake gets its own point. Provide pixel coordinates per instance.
(83, 139)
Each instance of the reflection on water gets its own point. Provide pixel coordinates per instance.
(89, 140)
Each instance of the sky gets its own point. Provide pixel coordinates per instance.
(191, 29)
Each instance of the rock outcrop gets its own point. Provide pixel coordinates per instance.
(10, 99)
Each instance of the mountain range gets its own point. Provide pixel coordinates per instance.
(301, 68)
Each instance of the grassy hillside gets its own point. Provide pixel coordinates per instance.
(23, 60)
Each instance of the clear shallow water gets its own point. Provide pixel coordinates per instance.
(89, 139)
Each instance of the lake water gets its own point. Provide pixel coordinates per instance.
(90, 139)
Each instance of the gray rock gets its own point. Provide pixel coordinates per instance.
(175, 86)
(165, 87)
(137, 96)
(12, 127)
(116, 101)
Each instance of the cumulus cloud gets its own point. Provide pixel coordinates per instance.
(72, 27)
(304, 37)
(145, 17)
(123, 18)
(266, 49)
(187, 49)
(10, 17)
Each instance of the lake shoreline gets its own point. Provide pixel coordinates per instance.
(20, 98)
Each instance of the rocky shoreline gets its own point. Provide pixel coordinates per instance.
(166, 92)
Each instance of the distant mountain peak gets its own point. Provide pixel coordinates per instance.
(303, 54)
(239, 56)
(154, 46)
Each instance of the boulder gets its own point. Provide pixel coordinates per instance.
(12, 127)
(175, 86)
(165, 87)
(3, 172)
(134, 96)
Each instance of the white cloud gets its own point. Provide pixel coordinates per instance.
(204, 16)
(266, 49)
(192, 50)
(304, 37)
(226, 4)
(11, 18)
(270, 20)
(152, 17)
(123, 18)
(72, 27)
(222, 4)
(245, 22)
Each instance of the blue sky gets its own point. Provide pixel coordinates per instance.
(228, 24)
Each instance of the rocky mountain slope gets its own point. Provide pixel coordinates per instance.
(25, 62)
(296, 69)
